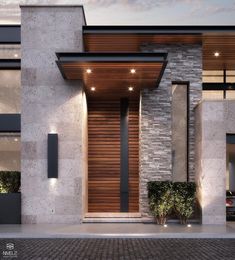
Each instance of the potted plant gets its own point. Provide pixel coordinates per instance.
(184, 200)
(10, 197)
(161, 199)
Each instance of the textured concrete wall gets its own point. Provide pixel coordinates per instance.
(10, 91)
(214, 119)
(184, 64)
(211, 161)
(51, 104)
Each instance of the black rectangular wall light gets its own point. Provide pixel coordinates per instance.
(52, 155)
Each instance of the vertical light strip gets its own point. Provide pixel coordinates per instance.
(124, 171)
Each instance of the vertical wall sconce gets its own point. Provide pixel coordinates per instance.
(52, 155)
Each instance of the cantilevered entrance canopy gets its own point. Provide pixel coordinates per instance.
(113, 72)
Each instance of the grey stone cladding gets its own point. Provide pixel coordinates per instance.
(184, 64)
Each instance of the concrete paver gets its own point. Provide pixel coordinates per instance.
(121, 248)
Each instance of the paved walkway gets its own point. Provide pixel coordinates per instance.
(117, 248)
(117, 230)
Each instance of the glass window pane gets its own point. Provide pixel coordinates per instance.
(212, 95)
(213, 79)
(10, 91)
(230, 79)
(212, 73)
(10, 152)
(230, 72)
(10, 51)
(230, 94)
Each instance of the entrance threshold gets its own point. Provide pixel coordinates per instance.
(120, 217)
(112, 215)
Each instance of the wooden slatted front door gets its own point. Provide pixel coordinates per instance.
(104, 156)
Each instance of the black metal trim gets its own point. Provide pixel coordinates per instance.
(187, 84)
(52, 155)
(161, 73)
(164, 29)
(61, 69)
(224, 78)
(10, 34)
(218, 86)
(111, 57)
(11, 205)
(10, 123)
(10, 64)
(124, 171)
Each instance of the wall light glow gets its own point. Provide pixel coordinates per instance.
(52, 181)
(53, 130)
(88, 71)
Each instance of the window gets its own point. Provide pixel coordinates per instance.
(218, 85)
(9, 152)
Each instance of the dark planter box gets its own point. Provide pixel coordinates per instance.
(10, 208)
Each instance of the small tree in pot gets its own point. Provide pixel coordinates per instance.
(9, 181)
(161, 199)
(184, 196)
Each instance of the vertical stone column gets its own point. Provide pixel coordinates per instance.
(184, 64)
(51, 104)
(211, 161)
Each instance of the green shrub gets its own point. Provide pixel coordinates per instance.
(9, 181)
(184, 199)
(161, 199)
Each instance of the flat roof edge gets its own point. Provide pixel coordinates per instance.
(55, 6)
(112, 57)
(161, 29)
(110, 54)
(50, 5)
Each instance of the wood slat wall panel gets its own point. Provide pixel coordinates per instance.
(225, 45)
(132, 42)
(104, 156)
